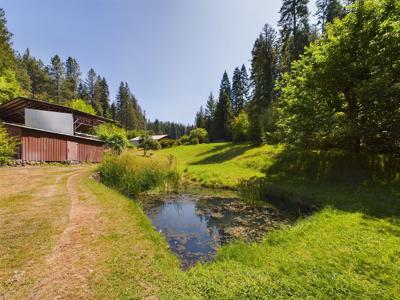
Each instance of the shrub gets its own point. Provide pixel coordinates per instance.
(240, 127)
(7, 146)
(113, 136)
(131, 174)
(167, 143)
(81, 105)
(198, 135)
(184, 140)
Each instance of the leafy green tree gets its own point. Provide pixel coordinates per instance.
(295, 30)
(146, 142)
(223, 113)
(345, 91)
(9, 86)
(8, 145)
(81, 105)
(240, 127)
(199, 134)
(327, 11)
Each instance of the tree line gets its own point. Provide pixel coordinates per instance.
(62, 82)
(332, 84)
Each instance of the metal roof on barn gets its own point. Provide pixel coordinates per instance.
(13, 111)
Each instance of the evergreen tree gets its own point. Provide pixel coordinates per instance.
(38, 75)
(128, 112)
(83, 93)
(239, 89)
(105, 98)
(7, 60)
(113, 111)
(327, 11)
(294, 32)
(246, 83)
(97, 94)
(209, 113)
(264, 75)
(90, 84)
(72, 78)
(224, 114)
(200, 120)
(57, 75)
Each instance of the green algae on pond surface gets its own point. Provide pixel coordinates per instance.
(196, 225)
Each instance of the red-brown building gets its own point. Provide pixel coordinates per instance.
(52, 133)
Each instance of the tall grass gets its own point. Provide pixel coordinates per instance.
(131, 174)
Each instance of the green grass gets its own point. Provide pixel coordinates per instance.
(349, 247)
(222, 165)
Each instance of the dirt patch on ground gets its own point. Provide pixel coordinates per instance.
(71, 261)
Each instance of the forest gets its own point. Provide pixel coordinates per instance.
(333, 84)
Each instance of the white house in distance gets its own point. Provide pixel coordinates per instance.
(135, 141)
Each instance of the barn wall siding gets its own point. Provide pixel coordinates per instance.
(43, 146)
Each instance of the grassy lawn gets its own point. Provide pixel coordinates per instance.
(223, 165)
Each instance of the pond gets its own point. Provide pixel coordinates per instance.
(196, 225)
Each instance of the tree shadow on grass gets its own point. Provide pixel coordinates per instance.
(309, 180)
(222, 153)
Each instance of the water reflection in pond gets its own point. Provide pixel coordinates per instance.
(195, 226)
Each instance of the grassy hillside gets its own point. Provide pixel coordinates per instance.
(223, 164)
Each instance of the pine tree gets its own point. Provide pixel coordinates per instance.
(239, 89)
(295, 30)
(224, 114)
(7, 60)
(90, 84)
(200, 120)
(97, 94)
(113, 111)
(264, 75)
(83, 93)
(57, 75)
(105, 98)
(39, 77)
(72, 78)
(128, 112)
(246, 83)
(209, 113)
(327, 11)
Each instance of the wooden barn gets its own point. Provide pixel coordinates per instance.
(52, 133)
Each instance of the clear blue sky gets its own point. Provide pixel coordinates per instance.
(172, 53)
